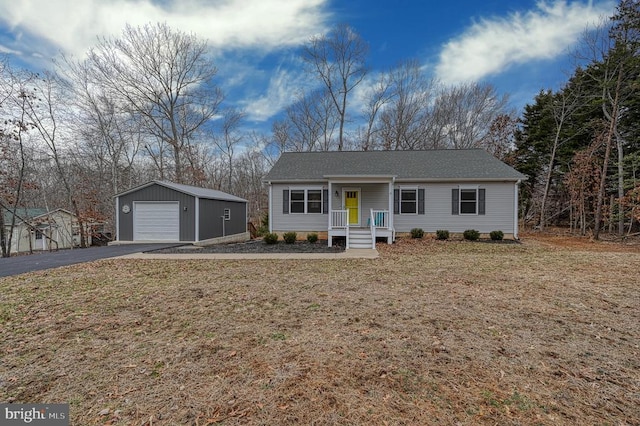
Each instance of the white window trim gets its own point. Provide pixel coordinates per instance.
(227, 214)
(468, 188)
(407, 188)
(306, 190)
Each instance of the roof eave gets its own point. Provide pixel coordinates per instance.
(393, 178)
(465, 179)
(137, 188)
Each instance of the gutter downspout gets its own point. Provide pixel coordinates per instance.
(515, 210)
(270, 207)
(197, 219)
(117, 218)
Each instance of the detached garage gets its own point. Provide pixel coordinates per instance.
(169, 212)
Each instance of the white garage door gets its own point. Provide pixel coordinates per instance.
(156, 221)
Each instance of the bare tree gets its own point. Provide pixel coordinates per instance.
(468, 111)
(404, 121)
(377, 97)
(500, 140)
(564, 104)
(109, 133)
(308, 125)
(228, 139)
(45, 111)
(13, 97)
(338, 60)
(165, 78)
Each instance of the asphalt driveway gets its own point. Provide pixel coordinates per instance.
(36, 262)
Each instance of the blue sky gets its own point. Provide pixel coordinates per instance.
(520, 46)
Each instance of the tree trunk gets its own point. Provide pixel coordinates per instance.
(3, 236)
(552, 160)
(620, 185)
(609, 139)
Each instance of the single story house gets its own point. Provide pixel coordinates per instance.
(366, 195)
(161, 211)
(39, 229)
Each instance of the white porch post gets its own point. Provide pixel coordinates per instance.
(329, 215)
(390, 239)
(515, 210)
(271, 208)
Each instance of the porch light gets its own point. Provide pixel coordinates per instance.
(337, 193)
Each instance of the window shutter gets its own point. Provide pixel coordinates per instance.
(421, 201)
(455, 203)
(396, 201)
(481, 203)
(285, 201)
(325, 201)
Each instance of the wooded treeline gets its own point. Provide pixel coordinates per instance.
(580, 145)
(146, 105)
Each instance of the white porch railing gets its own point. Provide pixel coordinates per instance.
(339, 219)
(379, 219)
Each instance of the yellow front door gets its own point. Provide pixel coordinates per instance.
(351, 204)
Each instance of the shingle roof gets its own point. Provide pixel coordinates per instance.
(21, 213)
(450, 164)
(211, 194)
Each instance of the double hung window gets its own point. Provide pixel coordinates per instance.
(305, 201)
(409, 201)
(468, 201)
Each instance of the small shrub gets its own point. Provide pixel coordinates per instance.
(442, 234)
(496, 235)
(270, 238)
(417, 233)
(471, 234)
(289, 237)
(312, 238)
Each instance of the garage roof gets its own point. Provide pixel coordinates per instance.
(211, 194)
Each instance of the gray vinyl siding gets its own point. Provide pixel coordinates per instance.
(158, 193)
(211, 213)
(299, 222)
(499, 205)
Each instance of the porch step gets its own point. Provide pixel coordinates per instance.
(360, 239)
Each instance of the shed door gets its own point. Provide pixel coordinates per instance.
(156, 221)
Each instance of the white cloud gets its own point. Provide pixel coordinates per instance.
(490, 46)
(73, 27)
(283, 88)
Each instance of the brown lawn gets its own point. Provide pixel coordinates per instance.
(546, 332)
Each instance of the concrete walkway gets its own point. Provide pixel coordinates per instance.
(347, 254)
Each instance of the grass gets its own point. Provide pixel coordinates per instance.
(430, 333)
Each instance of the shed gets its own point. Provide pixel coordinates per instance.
(41, 229)
(169, 212)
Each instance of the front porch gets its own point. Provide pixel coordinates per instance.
(360, 236)
(361, 210)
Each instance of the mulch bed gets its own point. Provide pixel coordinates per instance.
(258, 246)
